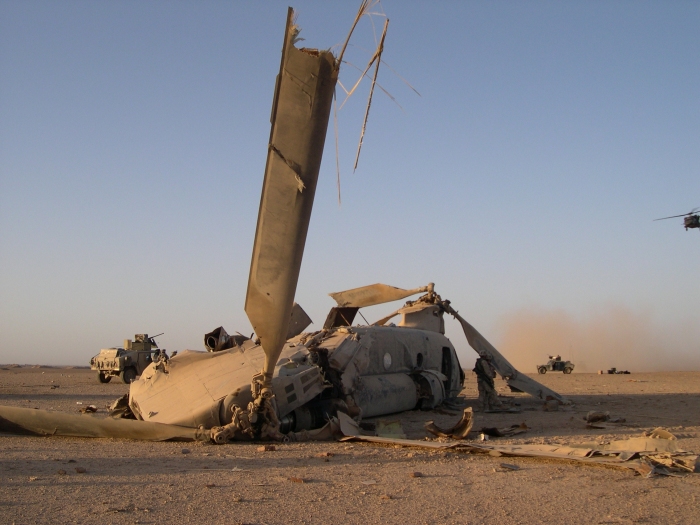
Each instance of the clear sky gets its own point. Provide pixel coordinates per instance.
(523, 180)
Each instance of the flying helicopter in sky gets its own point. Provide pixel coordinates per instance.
(690, 219)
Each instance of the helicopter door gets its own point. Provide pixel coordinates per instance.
(446, 368)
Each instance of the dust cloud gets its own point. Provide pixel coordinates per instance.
(613, 336)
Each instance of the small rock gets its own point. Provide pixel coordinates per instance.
(61, 472)
(296, 480)
(80, 470)
(210, 485)
(33, 478)
(266, 448)
(385, 496)
(416, 475)
(72, 461)
(185, 451)
(324, 455)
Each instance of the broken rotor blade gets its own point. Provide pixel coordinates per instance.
(378, 58)
(300, 113)
(384, 320)
(48, 423)
(374, 294)
(512, 376)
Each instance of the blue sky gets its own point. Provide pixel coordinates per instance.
(524, 178)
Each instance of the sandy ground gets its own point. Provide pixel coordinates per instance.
(134, 482)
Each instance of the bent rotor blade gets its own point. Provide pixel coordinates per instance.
(46, 423)
(512, 376)
(300, 112)
(373, 294)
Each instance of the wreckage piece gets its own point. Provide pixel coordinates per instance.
(202, 388)
(45, 423)
(459, 431)
(621, 454)
(300, 112)
(374, 294)
(513, 377)
(510, 431)
(218, 340)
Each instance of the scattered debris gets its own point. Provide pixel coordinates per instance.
(633, 453)
(595, 417)
(88, 409)
(616, 371)
(369, 482)
(325, 455)
(551, 405)
(266, 448)
(385, 496)
(509, 466)
(505, 432)
(660, 433)
(459, 431)
(294, 479)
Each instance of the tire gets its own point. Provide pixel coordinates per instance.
(541, 370)
(103, 378)
(567, 370)
(128, 376)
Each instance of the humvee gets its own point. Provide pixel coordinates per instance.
(127, 363)
(555, 364)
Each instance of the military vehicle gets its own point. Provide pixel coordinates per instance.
(128, 362)
(285, 383)
(555, 364)
(690, 219)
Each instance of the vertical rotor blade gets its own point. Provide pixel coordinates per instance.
(300, 113)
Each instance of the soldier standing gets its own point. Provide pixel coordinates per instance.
(485, 374)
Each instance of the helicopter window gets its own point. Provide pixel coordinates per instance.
(419, 360)
(387, 361)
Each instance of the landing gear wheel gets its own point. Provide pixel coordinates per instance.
(128, 376)
(542, 370)
(103, 378)
(567, 370)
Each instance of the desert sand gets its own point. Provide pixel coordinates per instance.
(72, 480)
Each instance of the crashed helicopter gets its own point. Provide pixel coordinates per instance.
(300, 380)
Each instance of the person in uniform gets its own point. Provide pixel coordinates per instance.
(485, 374)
